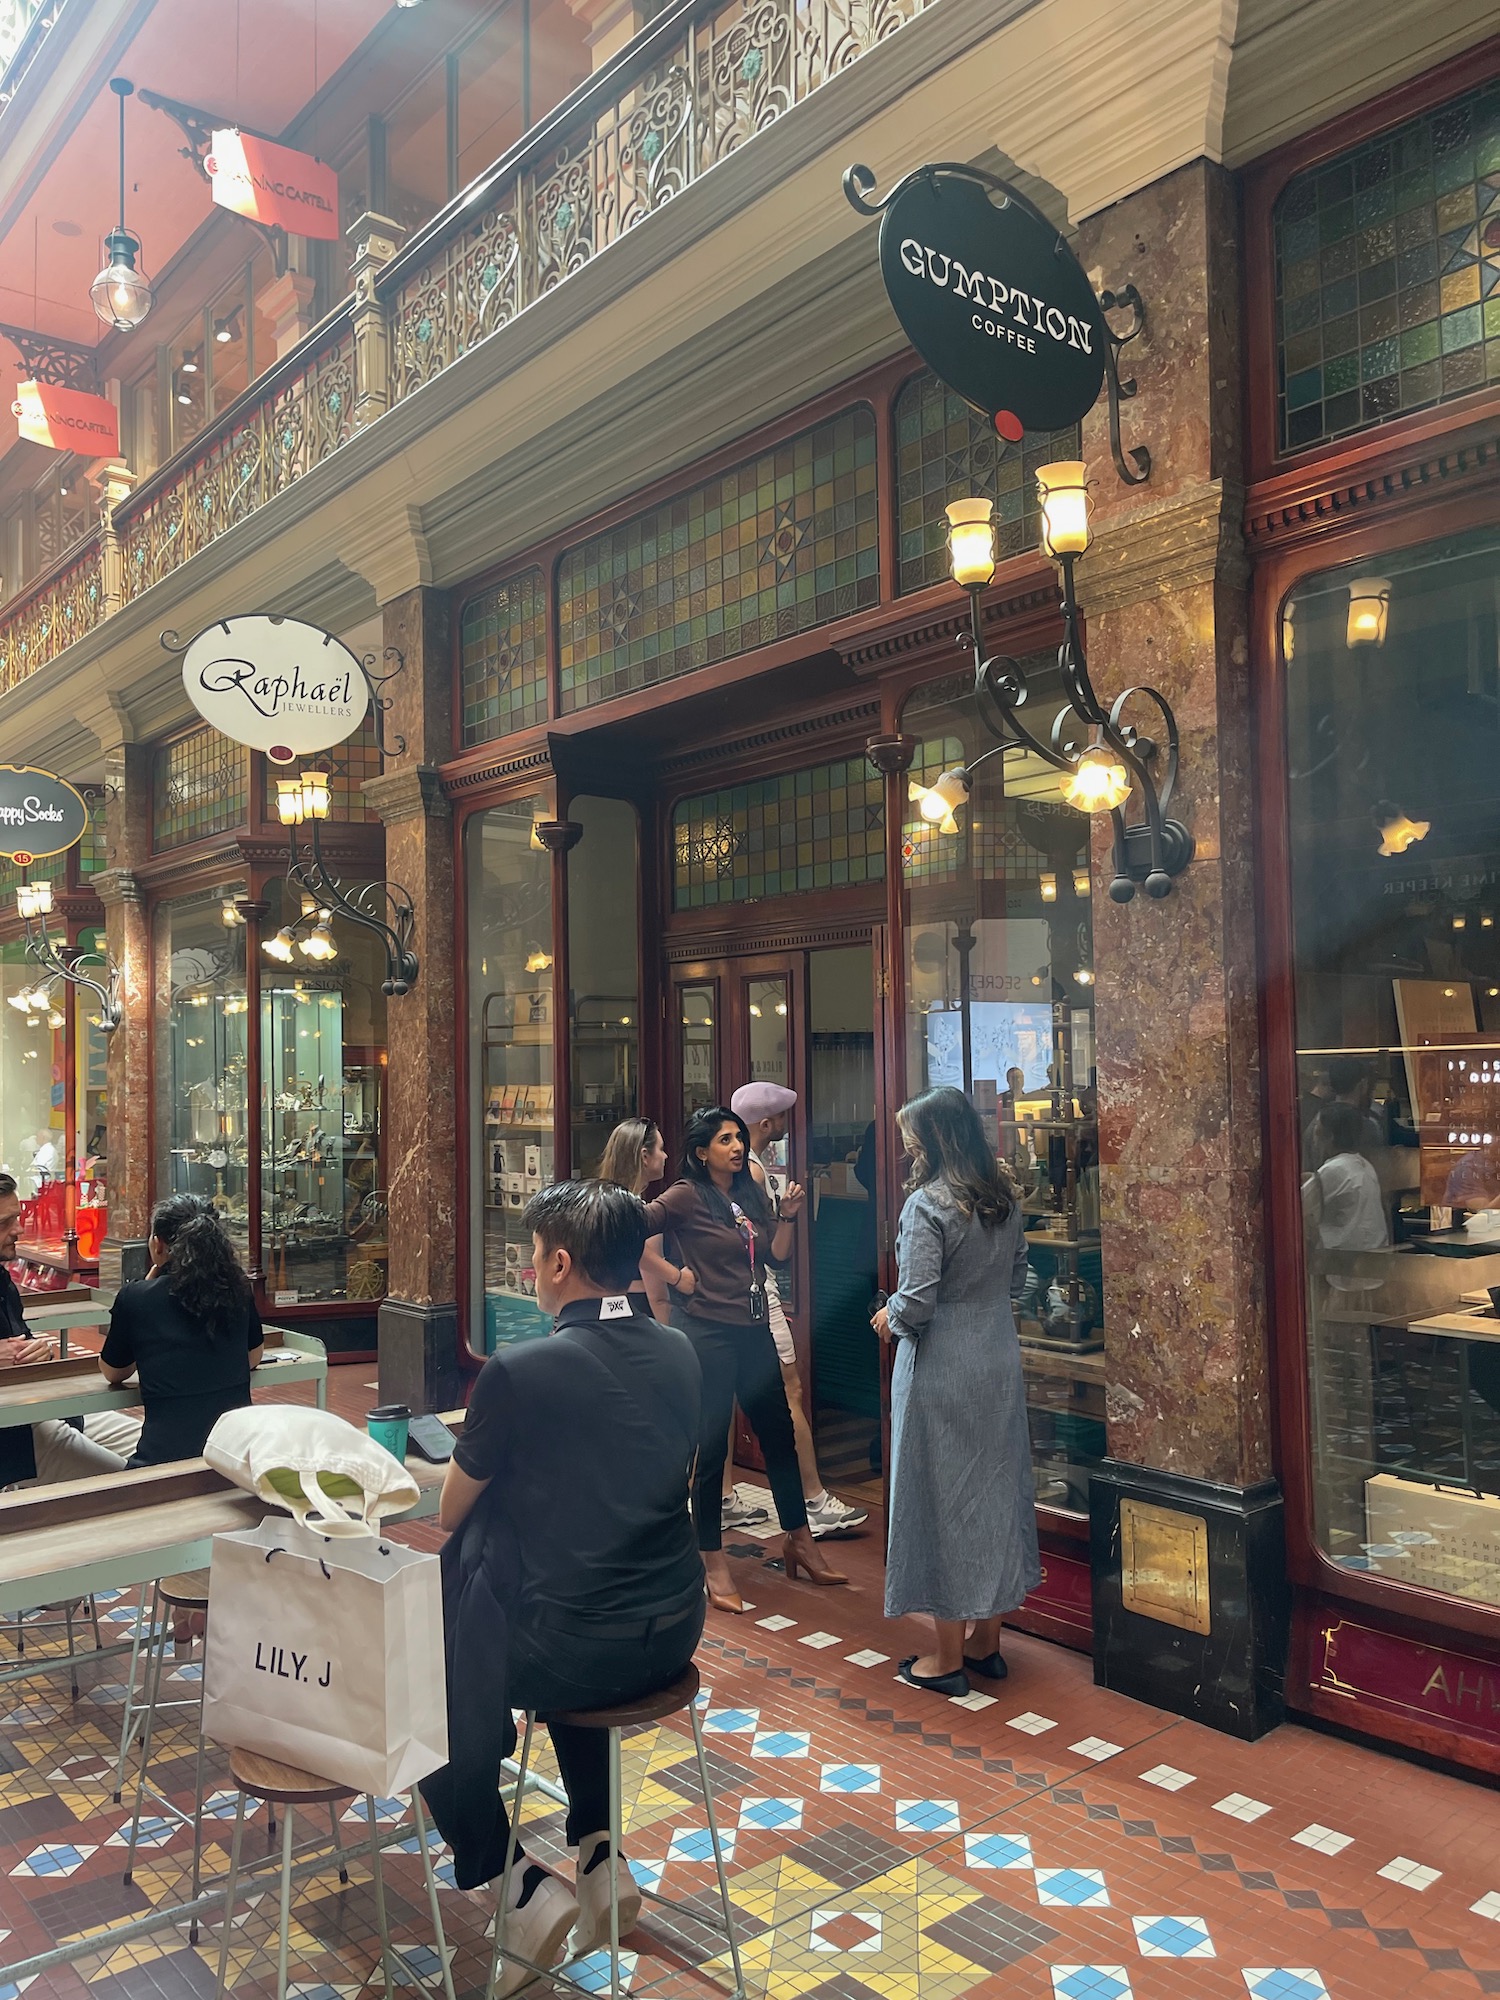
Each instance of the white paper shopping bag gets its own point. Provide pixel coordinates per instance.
(327, 1655)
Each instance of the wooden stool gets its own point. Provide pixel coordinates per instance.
(285, 1785)
(679, 1694)
(64, 1615)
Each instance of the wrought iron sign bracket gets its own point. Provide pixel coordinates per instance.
(1126, 299)
(65, 364)
(199, 127)
(382, 703)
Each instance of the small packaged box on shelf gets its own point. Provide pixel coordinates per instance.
(534, 1164)
(515, 1254)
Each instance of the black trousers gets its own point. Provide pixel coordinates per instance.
(548, 1669)
(741, 1361)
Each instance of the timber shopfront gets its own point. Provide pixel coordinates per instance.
(1374, 289)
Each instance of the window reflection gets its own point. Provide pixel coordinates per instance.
(603, 976)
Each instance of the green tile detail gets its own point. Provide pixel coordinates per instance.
(945, 451)
(1362, 244)
(348, 764)
(771, 548)
(812, 829)
(503, 658)
(200, 786)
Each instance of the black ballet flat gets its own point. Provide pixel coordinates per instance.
(991, 1668)
(956, 1683)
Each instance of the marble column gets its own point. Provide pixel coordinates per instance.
(419, 1356)
(127, 843)
(1164, 594)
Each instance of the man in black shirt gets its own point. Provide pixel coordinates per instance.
(571, 1579)
(48, 1451)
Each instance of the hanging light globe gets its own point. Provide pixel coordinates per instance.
(1098, 782)
(122, 293)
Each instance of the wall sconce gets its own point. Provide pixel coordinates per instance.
(1047, 883)
(1289, 633)
(65, 961)
(1083, 882)
(1369, 610)
(1397, 831)
(1117, 761)
(1084, 975)
(538, 960)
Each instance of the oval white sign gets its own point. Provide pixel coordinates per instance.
(275, 684)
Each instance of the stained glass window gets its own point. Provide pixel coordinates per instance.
(348, 764)
(1388, 274)
(52, 868)
(200, 786)
(815, 829)
(768, 549)
(945, 451)
(91, 853)
(503, 649)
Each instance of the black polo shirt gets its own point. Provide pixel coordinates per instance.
(189, 1377)
(17, 1457)
(588, 1440)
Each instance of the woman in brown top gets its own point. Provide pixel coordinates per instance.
(725, 1231)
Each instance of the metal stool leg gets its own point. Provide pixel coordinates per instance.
(378, 1871)
(226, 1919)
(72, 1649)
(132, 1711)
(513, 1841)
(283, 1929)
(713, 1834)
(155, 1659)
(616, 1844)
(338, 1841)
(439, 1937)
(197, 1816)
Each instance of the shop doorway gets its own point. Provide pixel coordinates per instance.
(811, 1020)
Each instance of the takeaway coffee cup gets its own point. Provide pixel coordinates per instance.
(387, 1425)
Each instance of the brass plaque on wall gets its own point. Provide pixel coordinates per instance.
(1164, 1565)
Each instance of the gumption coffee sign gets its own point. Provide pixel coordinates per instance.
(276, 684)
(40, 814)
(991, 297)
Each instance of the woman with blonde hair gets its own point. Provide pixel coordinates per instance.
(635, 1155)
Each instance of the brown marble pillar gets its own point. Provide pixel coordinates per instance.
(1164, 594)
(127, 843)
(419, 1357)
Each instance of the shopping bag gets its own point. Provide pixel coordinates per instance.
(317, 1466)
(327, 1655)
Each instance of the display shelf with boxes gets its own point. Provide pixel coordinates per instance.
(519, 1108)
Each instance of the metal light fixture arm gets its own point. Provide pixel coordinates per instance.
(382, 907)
(66, 961)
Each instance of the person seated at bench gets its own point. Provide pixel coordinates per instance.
(571, 1576)
(53, 1450)
(189, 1330)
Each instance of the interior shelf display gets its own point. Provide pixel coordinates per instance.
(202, 1059)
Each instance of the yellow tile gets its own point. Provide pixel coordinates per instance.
(1461, 288)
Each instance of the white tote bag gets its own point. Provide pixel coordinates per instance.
(314, 1464)
(327, 1655)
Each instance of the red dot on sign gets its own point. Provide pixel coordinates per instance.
(1009, 426)
(279, 754)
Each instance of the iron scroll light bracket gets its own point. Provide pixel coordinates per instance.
(67, 962)
(1127, 298)
(382, 907)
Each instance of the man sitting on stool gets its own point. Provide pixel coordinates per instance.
(571, 1577)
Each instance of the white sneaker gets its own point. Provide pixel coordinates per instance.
(832, 1516)
(738, 1512)
(591, 1933)
(537, 1928)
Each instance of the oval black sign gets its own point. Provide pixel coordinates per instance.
(39, 814)
(994, 301)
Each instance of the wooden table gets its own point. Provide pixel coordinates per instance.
(90, 1311)
(75, 1388)
(59, 1543)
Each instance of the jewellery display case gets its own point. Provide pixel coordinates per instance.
(202, 1073)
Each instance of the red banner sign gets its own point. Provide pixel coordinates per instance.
(67, 419)
(1435, 1682)
(275, 185)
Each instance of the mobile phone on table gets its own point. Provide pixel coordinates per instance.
(431, 1439)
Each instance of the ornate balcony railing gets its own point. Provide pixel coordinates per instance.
(694, 87)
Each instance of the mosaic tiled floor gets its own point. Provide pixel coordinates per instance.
(1043, 1839)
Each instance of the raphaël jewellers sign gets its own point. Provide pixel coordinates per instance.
(990, 296)
(275, 684)
(39, 814)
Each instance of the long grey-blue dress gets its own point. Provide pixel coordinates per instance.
(963, 1519)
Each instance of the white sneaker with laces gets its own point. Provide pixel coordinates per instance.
(591, 1933)
(738, 1512)
(832, 1516)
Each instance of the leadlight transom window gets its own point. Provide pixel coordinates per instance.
(348, 764)
(91, 849)
(1388, 274)
(821, 828)
(947, 451)
(200, 786)
(774, 546)
(503, 658)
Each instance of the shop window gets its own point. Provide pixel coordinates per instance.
(92, 851)
(491, 93)
(1388, 274)
(348, 765)
(1393, 696)
(604, 975)
(697, 1046)
(773, 547)
(202, 1049)
(822, 828)
(323, 1230)
(503, 658)
(51, 868)
(31, 1052)
(200, 785)
(509, 902)
(417, 152)
(947, 451)
(91, 1103)
(1000, 1003)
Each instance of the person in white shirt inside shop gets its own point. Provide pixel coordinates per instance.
(765, 1108)
(1342, 1203)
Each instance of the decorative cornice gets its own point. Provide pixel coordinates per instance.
(929, 630)
(415, 793)
(735, 943)
(521, 763)
(116, 886)
(1181, 545)
(854, 715)
(1295, 505)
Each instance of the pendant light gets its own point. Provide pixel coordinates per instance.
(122, 292)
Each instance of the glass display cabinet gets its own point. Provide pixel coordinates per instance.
(202, 1058)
